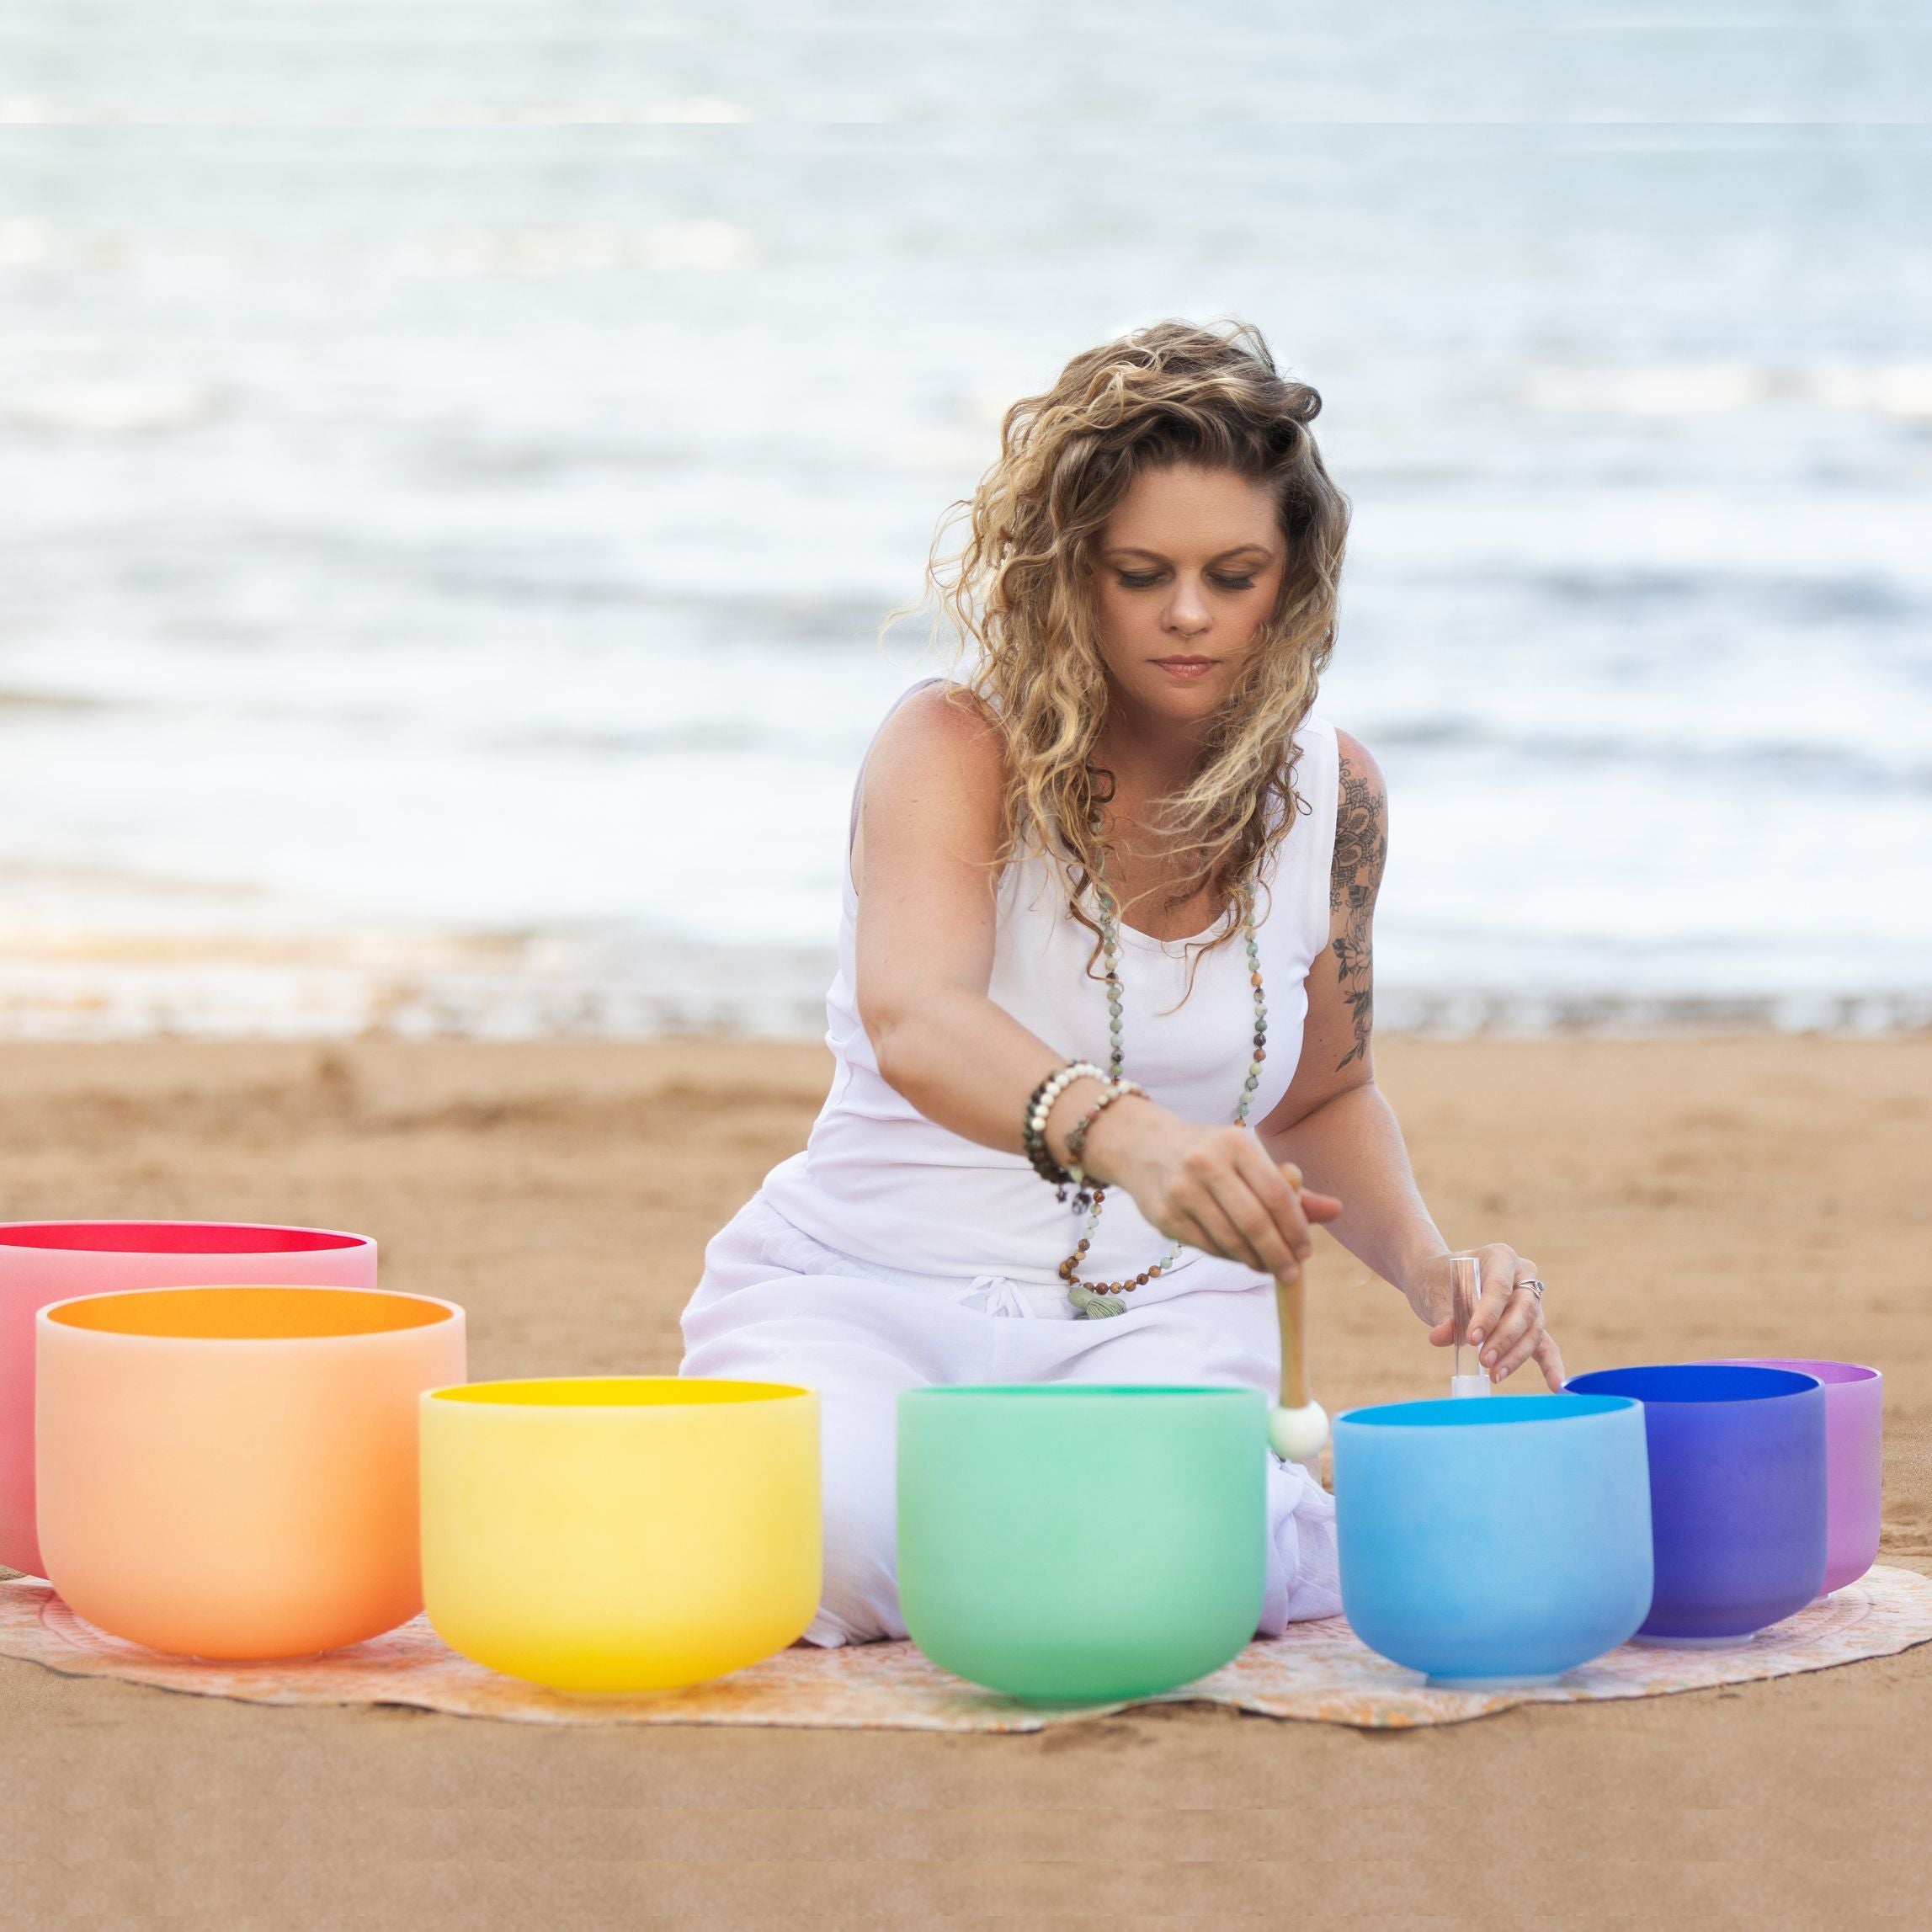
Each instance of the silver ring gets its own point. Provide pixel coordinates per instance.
(1534, 1286)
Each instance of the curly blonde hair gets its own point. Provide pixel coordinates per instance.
(1017, 593)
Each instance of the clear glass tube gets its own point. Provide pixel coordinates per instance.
(1466, 1291)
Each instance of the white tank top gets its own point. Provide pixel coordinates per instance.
(879, 1182)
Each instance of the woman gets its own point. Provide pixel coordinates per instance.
(1103, 994)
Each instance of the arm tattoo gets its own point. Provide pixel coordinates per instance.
(1361, 849)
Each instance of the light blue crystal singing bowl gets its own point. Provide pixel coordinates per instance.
(1499, 1541)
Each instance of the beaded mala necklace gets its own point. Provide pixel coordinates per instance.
(1097, 1300)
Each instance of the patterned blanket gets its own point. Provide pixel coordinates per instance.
(1317, 1671)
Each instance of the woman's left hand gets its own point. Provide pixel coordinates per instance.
(1507, 1328)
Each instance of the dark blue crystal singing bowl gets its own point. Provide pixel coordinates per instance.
(1738, 1495)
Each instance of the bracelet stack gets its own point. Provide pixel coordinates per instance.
(1033, 1126)
(1033, 1132)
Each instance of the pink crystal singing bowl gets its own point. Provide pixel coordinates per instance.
(44, 1261)
(1854, 1401)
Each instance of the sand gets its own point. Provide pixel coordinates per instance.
(1760, 1196)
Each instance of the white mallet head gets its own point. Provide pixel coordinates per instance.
(1298, 1435)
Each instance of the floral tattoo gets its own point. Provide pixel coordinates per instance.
(1361, 850)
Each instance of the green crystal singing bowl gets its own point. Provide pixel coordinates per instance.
(1066, 1543)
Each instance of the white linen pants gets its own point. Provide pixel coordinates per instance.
(776, 1305)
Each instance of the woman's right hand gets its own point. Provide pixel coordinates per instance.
(1214, 1188)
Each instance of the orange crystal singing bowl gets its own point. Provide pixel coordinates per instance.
(46, 1261)
(231, 1473)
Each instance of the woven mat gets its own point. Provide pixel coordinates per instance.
(1318, 1671)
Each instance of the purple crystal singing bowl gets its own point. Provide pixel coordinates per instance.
(1737, 1494)
(1855, 1454)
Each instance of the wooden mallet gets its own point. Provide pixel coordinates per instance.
(1298, 1426)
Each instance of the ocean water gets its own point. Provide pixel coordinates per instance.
(455, 461)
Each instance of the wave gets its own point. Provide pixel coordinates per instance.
(552, 985)
(1827, 766)
(665, 248)
(1860, 598)
(1452, 1014)
(112, 407)
(693, 110)
(1899, 389)
(33, 704)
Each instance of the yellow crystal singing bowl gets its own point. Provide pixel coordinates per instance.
(619, 1533)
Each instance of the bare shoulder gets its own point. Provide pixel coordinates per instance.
(947, 721)
(934, 781)
(1361, 829)
(1358, 761)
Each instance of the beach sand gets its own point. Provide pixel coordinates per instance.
(1759, 1196)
